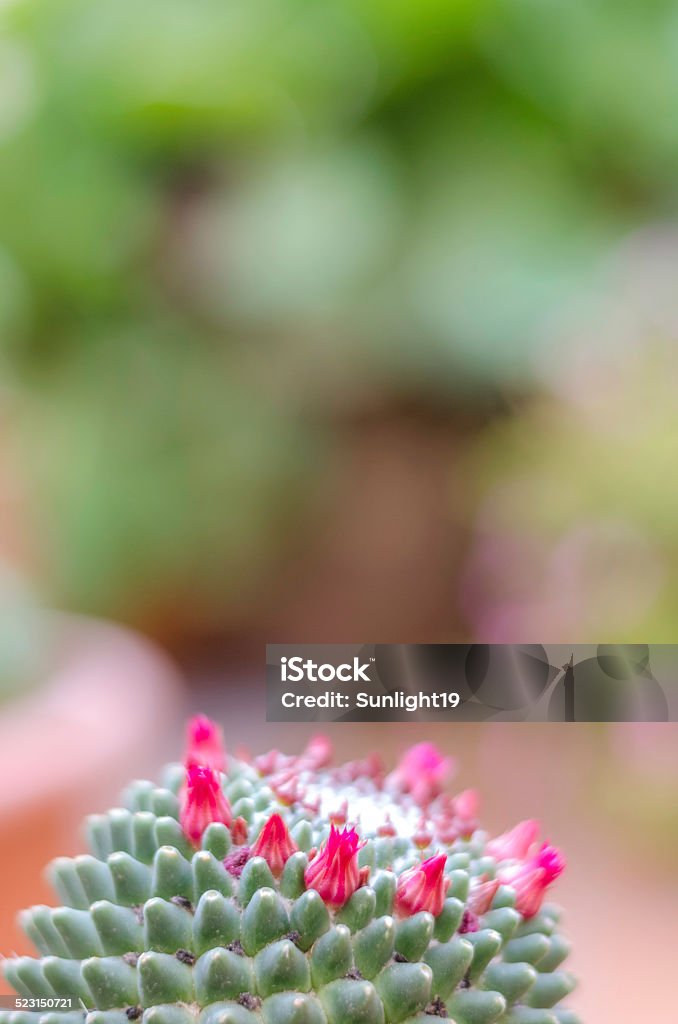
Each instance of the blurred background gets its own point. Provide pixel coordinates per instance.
(353, 320)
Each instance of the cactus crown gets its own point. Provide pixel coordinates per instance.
(285, 891)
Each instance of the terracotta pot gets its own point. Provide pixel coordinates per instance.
(67, 747)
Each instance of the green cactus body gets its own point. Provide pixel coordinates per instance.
(157, 928)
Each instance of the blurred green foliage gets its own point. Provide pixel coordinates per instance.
(578, 486)
(209, 210)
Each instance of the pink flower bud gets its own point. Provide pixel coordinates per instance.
(516, 843)
(481, 896)
(423, 835)
(205, 743)
(422, 772)
(287, 788)
(334, 871)
(339, 816)
(312, 804)
(318, 753)
(275, 844)
(239, 832)
(370, 767)
(423, 887)
(387, 828)
(373, 768)
(530, 889)
(532, 878)
(267, 763)
(467, 805)
(552, 862)
(202, 802)
(447, 832)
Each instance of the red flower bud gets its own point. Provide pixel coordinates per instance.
(205, 743)
(202, 802)
(275, 844)
(423, 887)
(334, 871)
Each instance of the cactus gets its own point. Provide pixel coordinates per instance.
(281, 890)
